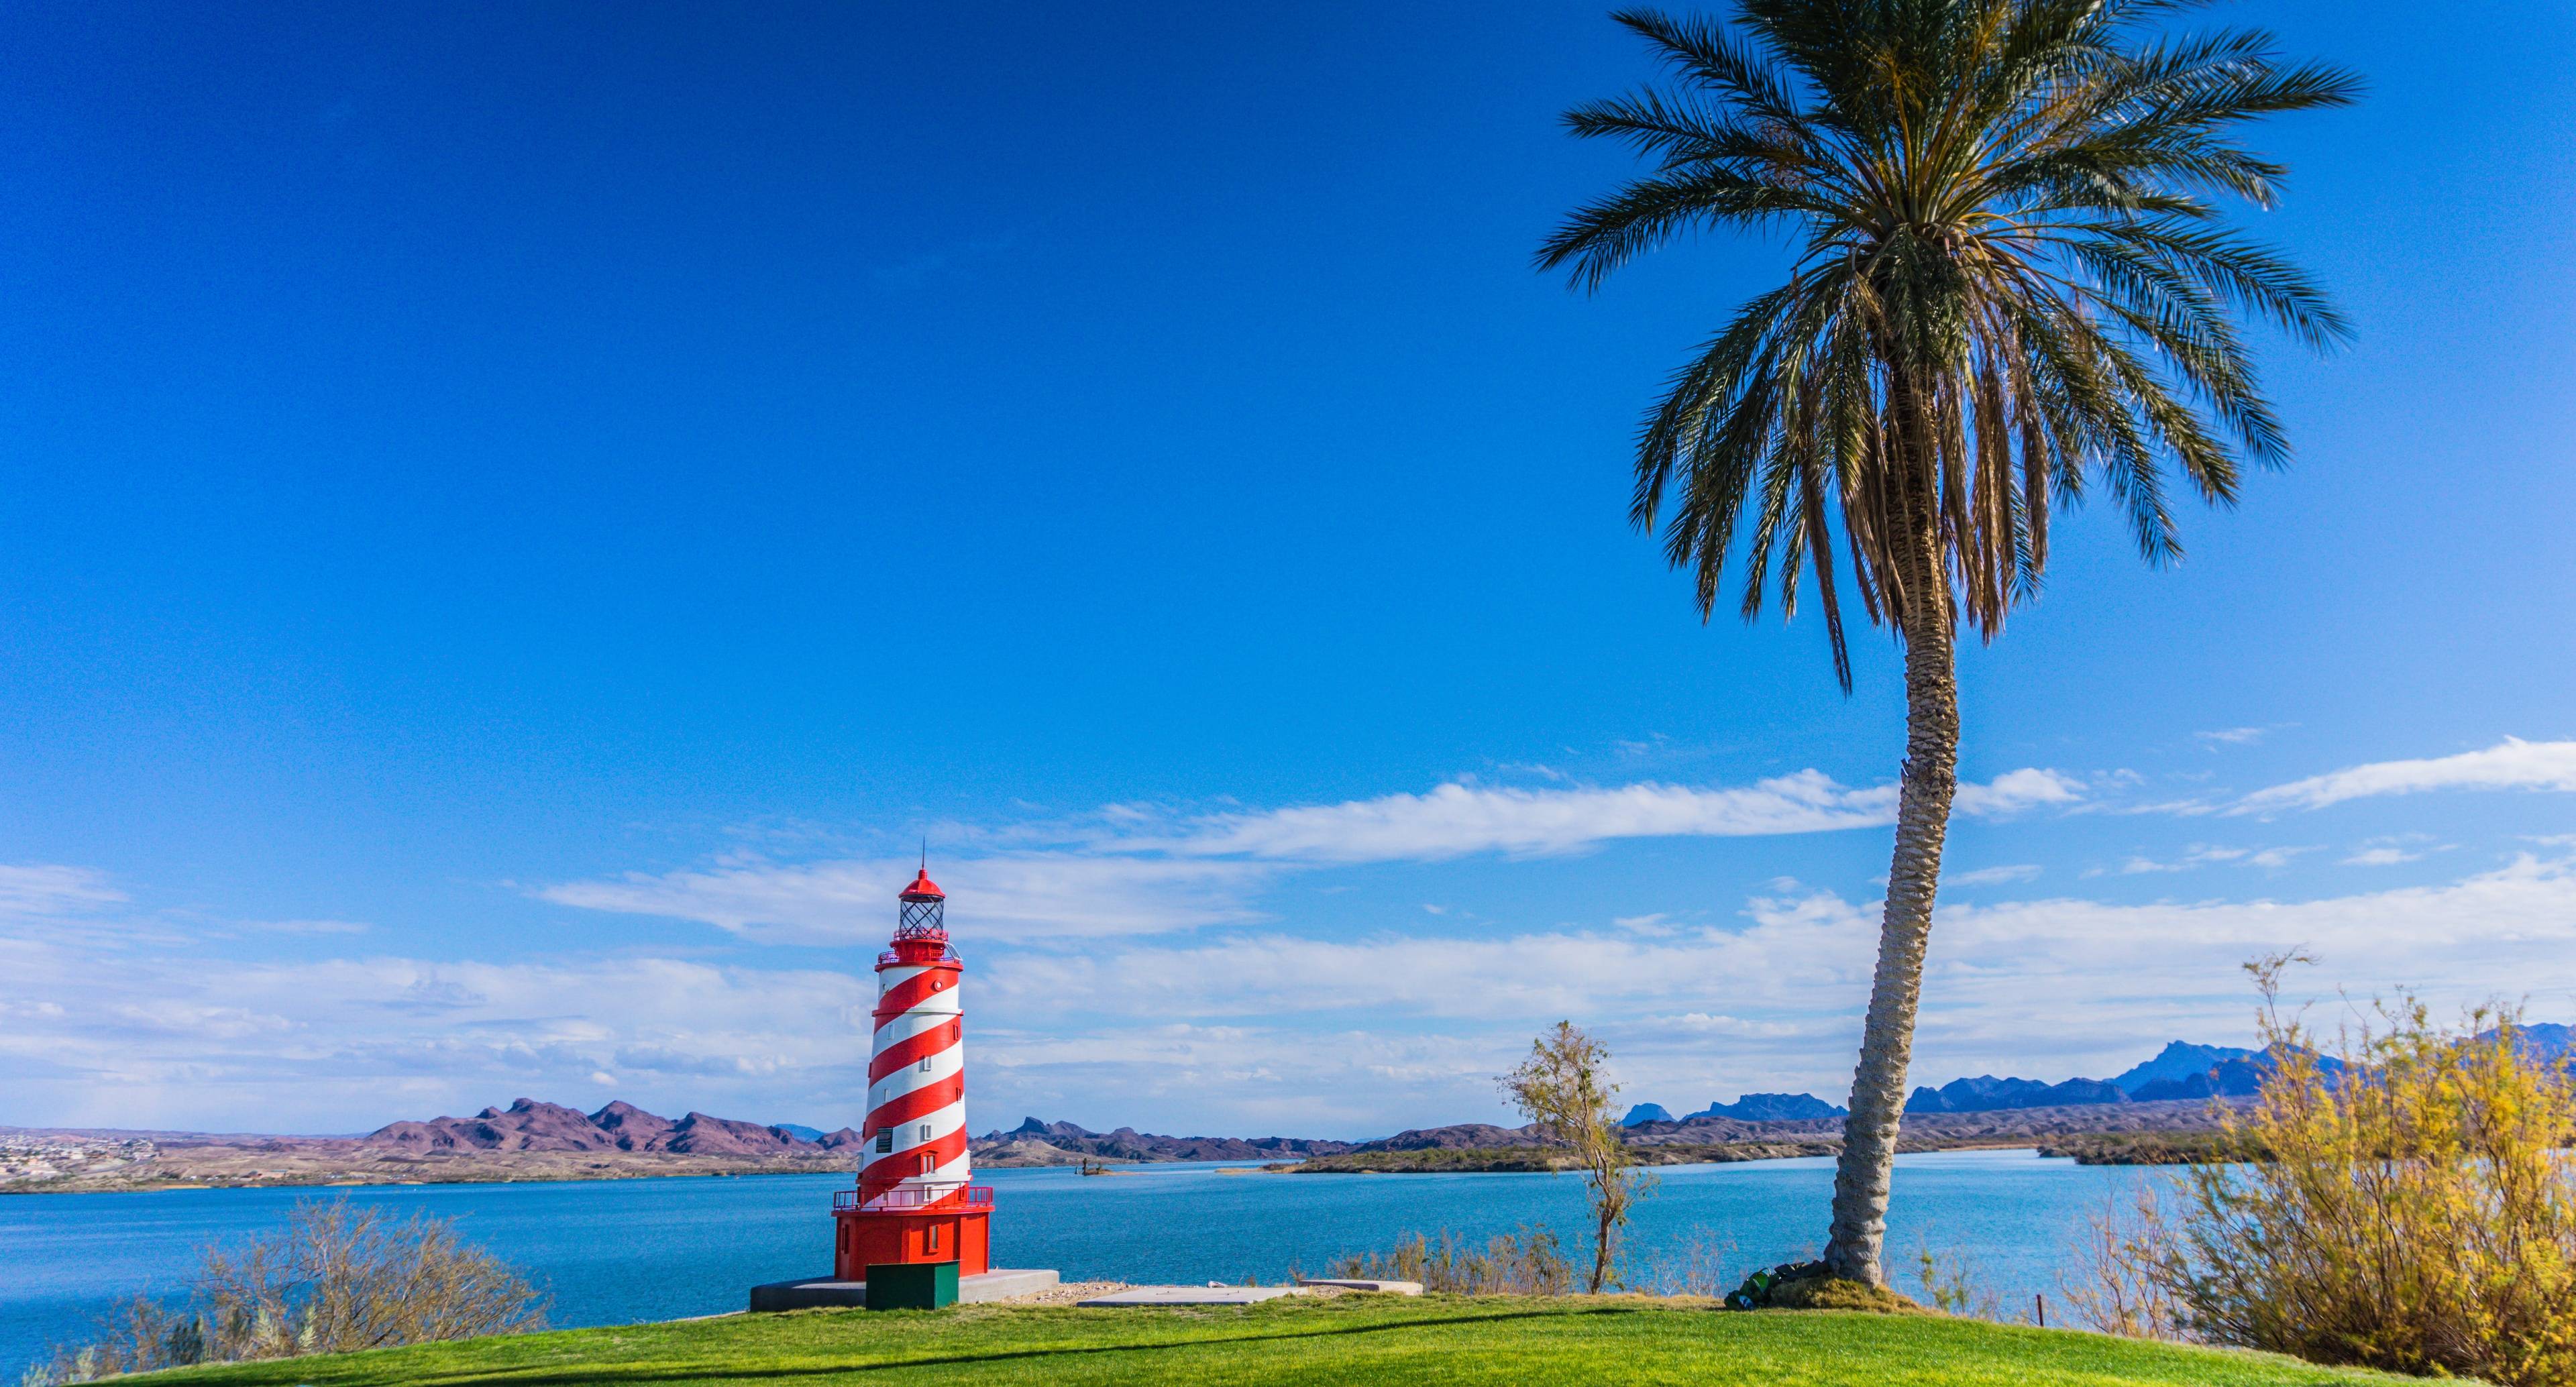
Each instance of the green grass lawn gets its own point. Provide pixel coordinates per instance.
(1346, 1340)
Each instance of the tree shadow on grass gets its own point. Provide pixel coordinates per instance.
(643, 1373)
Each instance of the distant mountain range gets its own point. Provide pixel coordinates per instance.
(528, 1125)
(2179, 1071)
(1752, 1107)
(2176, 1063)
(2547, 1040)
(1773, 1107)
(1986, 1093)
(1059, 1143)
(2160, 1092)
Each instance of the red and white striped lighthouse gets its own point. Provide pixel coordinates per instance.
(914, 1203)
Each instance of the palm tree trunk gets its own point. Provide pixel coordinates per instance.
(1930, 781)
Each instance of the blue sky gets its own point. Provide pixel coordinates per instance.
(513, 525)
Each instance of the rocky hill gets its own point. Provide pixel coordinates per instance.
(2178, 1062)
(527, 1140)
(2126, 1127)
(1986, 1093)
(1773, 1107)
(2180, 1072)
(528, 1125)
(1752, 1107)
(1034, 1142)
(1462, 1136)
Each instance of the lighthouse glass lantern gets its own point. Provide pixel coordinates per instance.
(914, 1204)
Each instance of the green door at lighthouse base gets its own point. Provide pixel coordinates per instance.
(912, 1285)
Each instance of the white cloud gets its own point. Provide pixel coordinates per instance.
(2014, 791)
(128, 1039)
(1454, 820)
(100, 1037)
(2512, 764)
(2180, 808)
(2213, 855)
(2048, 988)
(1457, 819)
(48, 889)
(1991, 876)
(1134, 871)
(1238, 1079)
(1533, 976)
(2391, 849)
(1006, 898)
(2232, 736)
(2198, 855)
(310, 926)
(1253, 1031)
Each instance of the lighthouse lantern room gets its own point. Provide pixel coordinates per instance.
(915, 1206)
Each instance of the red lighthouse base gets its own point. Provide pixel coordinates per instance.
(957, 1229)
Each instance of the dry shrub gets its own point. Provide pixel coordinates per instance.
(339, 1278)
(2117, 1288)
(1696, 1266)
(1531, 1263)
(1954, 1284)
(2415, 1212)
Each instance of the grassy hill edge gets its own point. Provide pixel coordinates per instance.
(1349, 1339)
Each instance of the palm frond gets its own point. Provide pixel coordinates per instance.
(2012, 285)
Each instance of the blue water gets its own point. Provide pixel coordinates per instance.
(618, 1251)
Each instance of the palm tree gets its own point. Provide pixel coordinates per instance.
(2010, 284)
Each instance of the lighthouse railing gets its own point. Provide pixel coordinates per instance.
(952, 1194)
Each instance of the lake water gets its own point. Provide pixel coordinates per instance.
(618, 1251)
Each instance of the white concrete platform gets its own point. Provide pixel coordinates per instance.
(816, 1292)
(1190, 1295)
(1363, 1284)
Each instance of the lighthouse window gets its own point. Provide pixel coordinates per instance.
(885, 1140)
(925, 1131)
(929, 1163)
(934, 1237)
(925, 1064)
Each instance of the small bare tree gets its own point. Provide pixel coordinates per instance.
(1562, 1088)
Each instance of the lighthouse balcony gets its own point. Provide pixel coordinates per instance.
(947, 1195)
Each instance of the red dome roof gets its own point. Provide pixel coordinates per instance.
(924, 889)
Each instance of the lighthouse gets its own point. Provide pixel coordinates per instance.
(916, 1233)
(915, 1220)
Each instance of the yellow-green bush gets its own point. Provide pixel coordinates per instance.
(2414, 1212)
